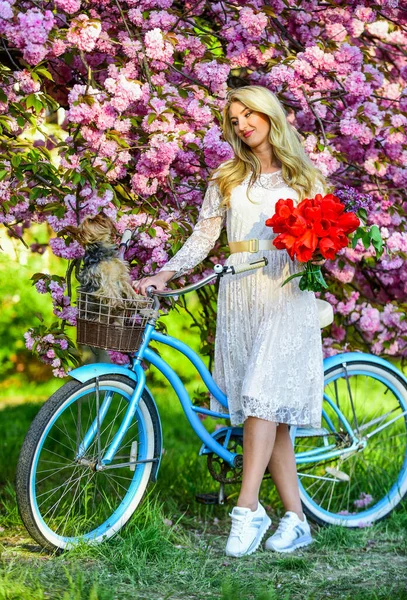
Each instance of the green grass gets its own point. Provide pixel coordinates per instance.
(173, 547)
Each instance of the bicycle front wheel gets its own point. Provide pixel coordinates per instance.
(367, 479)
(63, 497)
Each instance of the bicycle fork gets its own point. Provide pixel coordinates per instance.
(101, 412)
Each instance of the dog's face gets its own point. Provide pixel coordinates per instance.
(93, 229)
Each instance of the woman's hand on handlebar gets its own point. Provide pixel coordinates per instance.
(159, 281)
(318, 259)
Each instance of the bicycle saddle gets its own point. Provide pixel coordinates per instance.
(325, 312)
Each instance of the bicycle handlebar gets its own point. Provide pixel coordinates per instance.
(219, 271)
(124, 242)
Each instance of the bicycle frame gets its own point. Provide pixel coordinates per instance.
(210, 444)
(137, 373)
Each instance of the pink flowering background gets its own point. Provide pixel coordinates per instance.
(142, 84)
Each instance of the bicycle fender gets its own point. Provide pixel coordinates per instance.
(349, 357)
(87, 372)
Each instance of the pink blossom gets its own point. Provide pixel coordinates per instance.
(119, 358)
(29, 340)
(347, 306)
(254, 23)
(59, 248)
(41, 286)
(6, 11)
(214, 75)
(141, 184)
(156, 47)
(84, 32)
(370, 320)
(35, 25)
(365, 14)
(34, 53)
(363, 501)
(216, 150)
(63, 343)
(26, 82)
(68, 6)
(351, 127)
(355, 83)
(60, 372)
(124, 92)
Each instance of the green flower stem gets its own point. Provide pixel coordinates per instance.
(311, 280)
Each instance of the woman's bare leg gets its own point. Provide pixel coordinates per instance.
(283, 471)
(258, 442)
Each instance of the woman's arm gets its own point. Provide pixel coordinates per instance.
(204, 236)
(197, 247)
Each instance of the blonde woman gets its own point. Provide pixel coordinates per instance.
(268, 351)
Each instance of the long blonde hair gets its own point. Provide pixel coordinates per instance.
(297, 169)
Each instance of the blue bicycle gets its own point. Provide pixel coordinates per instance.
(95, 445)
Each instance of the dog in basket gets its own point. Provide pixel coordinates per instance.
(104, 274)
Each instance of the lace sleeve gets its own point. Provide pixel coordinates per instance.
(204, 236)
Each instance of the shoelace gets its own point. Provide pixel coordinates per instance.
(239, 524)
(283, 526)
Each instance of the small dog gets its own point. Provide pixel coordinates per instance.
(104, 274)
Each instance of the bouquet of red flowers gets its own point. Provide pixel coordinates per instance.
(316, 228)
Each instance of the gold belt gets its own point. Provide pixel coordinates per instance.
(253, 245)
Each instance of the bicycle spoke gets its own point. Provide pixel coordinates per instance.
(372, 470)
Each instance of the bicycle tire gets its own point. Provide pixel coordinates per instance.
(145, 420)
(397, 491)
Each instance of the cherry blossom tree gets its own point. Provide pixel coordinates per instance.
(140, 85)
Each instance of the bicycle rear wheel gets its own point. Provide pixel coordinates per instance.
(62, 496)
(357, 488)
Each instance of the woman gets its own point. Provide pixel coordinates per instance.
(268, 350)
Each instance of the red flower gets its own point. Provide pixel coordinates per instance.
(317, 225)
(284, 209)
(306, 245)
(349, 222)
(285, 241)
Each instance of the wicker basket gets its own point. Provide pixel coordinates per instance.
(103, 324)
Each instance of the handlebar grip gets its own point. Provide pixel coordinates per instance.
(258, 264)
(126, 237)
(150, 290)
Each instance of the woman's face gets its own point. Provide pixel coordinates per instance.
(250, 126)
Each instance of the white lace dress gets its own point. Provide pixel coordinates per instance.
(268, 348)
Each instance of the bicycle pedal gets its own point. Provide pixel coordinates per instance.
(211, 498)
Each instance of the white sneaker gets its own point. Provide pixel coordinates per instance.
(248, 529)
(291, 533)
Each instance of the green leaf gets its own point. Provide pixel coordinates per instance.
(300, 274)
(362, 214)
(45, 73)
(16, 160)
(152, 232)
(377, 240)
(320, 147)
(358, 234)
(29, 101)
(2, 175)
(3, 97)
(38, 105)
(366, 239)
(375, 233)
(151, 118)
(183, 93)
